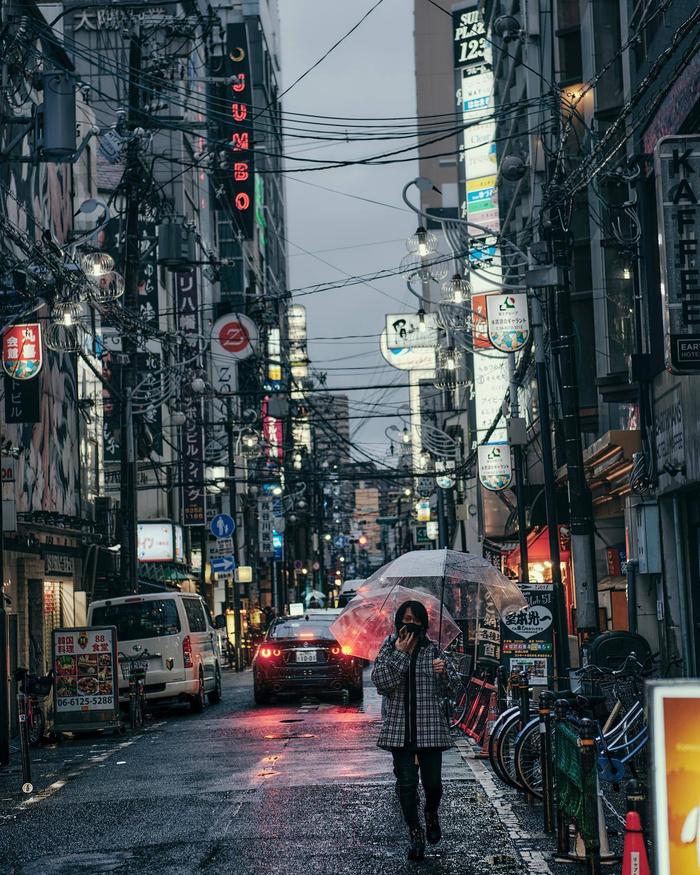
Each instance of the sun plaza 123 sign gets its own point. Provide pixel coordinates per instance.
(677, 167)
(242, 178)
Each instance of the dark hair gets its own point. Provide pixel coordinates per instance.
(418, 610)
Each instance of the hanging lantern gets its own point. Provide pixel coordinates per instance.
(422, 243)
(65, 338)
(456, 290)
(67, 313)
(107, 288)
(96, 264)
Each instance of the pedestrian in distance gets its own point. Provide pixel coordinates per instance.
(410, 673)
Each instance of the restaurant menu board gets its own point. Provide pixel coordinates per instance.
(526, 635)
(674, 721)
(86, 688)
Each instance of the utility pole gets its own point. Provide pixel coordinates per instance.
(580, 500)
(518, 464)
(561, 642)
(4, 654)
(128, 495)
(232, 594)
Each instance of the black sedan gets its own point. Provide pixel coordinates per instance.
(298, 655)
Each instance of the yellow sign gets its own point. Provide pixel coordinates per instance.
(675, 736)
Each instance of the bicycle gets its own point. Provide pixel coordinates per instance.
(622, 731)
(31, 688)
(134, 669)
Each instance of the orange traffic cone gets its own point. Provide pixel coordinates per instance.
(491, 719)
(634, 855)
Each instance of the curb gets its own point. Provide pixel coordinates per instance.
(534, 861)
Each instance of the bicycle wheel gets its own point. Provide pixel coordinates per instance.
(495, 735)
(505, 751)
(458, 709)
(528, 767)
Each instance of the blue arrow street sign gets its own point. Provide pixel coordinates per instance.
(339, 542)
(222, 526)
(222, 564)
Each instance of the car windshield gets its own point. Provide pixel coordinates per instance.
(303, 630)
(153, 618)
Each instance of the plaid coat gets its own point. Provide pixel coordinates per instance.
(389, 677)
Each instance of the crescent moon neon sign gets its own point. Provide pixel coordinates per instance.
(237, 55)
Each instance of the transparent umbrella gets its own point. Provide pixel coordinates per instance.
(369, 618)
(463, 582)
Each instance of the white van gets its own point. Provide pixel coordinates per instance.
(174, 631)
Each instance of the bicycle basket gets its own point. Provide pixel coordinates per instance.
(39, 686)
(133, 667)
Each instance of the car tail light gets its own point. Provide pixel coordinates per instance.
(346, 650)
(187, 651)
(335, 651)
(265, 652)
(276, 652)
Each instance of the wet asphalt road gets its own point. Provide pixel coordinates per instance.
(298, 787)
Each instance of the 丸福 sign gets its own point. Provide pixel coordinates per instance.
(21, 351)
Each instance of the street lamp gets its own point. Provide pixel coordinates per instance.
(423, 243)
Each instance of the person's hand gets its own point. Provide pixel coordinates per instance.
(439, 666)
(405, 641)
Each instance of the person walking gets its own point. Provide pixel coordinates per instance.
(410, 674)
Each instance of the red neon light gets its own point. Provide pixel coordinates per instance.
(240, 141)
(241, 171)
(239, 111)
(240, 84)
(242, 200)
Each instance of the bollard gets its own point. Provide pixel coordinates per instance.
(546, 764)
(27, 785)
(587, 731)
(561, 709)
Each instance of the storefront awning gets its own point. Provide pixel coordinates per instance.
(164, 572)
(538, 547)
(607, 463)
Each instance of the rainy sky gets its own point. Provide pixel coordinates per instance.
(369, 75)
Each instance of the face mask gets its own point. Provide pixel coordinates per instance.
(414, 628)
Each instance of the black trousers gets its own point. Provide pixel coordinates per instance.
(406, 771)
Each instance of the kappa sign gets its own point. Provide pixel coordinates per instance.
(234, 336)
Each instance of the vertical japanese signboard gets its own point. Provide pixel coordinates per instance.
(677, 167)
(488, 631)
(526, 635)
(21, 351)
(194, 510)
(86, 682)
(21, 401)
(474, 83)
(674, 719)
(242, 176)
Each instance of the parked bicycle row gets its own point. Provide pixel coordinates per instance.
(580, 751)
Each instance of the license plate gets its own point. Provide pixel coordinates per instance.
(306, 656)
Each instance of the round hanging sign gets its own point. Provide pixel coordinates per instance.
(235, 336)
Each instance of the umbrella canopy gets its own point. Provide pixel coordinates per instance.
(465, 582)
(369, 618)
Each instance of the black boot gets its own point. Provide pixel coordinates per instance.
(416, 850)
(432, 827)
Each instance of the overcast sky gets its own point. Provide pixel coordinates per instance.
(370, 75)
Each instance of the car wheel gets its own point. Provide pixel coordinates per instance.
(199, 700)
(261, 695)
(215, 695)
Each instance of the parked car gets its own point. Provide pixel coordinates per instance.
(174, 631)
(299, 654)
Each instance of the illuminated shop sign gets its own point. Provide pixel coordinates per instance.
(242, 175)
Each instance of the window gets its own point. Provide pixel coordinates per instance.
(195, 615)
(153, 618)
(570, 59)
(302, 630)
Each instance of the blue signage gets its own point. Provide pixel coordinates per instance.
(223, 564)
(277, 544)
(222, 526)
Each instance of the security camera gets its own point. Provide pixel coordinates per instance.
(512, 168)
(507, 27)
